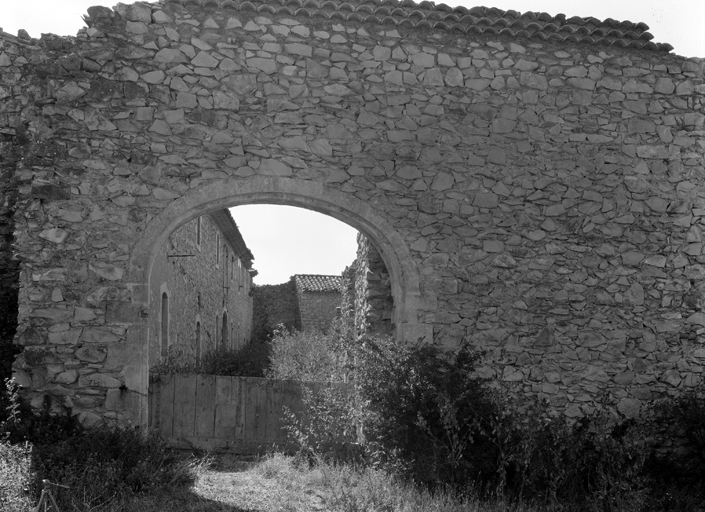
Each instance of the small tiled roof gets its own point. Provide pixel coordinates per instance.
(476, 20)
(316, 283)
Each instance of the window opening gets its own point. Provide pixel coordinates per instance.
(224, 338)
(198, 342)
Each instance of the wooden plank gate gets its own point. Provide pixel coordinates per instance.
(215, 412)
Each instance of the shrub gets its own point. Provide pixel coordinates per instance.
(307, 356)
(88, 467)
(251, 360)
(427, 410)
(20, 423)
(676, 463)
(105, 465)
(329, 426)
(425, 414)
(594, 460)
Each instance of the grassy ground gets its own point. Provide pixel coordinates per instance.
(278, 483)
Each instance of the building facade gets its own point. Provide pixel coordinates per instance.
(318, 299)
(201, 289)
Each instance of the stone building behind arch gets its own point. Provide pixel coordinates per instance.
(201, 286)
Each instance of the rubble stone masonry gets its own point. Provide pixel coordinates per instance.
(542, 198)
(201, 287)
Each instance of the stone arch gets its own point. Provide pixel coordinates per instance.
(315, 196)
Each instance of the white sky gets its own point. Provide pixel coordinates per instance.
(287, 241)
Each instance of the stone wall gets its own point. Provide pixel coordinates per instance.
(318, 310)
(319, 300)
(275, 304)
(532, 192)
(374, 304)
(202, 287)
(9, 267)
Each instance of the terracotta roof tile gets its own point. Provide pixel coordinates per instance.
(317, 283)
(476, 20)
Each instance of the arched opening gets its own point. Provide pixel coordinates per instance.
(393, 249)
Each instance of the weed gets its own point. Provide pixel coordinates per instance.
(16, 483)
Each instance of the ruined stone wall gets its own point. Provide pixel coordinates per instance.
(318, 309)
(547, 196)
(373, 300)
(201, 287)
(348, 299)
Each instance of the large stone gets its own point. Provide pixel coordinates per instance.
(272, 167)
(54, 235)
(629, 407)
(97, 335)
(91, 354)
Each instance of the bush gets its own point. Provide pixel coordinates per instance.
(308, 356)
(427, 411)
(19, 423)
(425, 414)
(88, 467)
(251, 360)
(330, 425)
(106, 465)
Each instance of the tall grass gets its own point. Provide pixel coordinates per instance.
(91, 469)
(16, 481)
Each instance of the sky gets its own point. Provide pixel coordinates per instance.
(286, 240)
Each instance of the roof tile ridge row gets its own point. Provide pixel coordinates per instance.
(475, 20)
(362, 5)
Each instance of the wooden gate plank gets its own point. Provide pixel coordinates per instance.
(276, 392)
(184, 405)
(225, 412)
(252, 394)
(205, 405)
(241, 411)
(166, 405)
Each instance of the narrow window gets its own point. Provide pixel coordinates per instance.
(198, 300)
(217, 330)
(198, 342)
(224, 339)
(165, 325)
(217, 250)
(198, 231)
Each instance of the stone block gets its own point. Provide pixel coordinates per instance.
(91, 354)
(69, 337)
(96, 335)
(630, 408)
